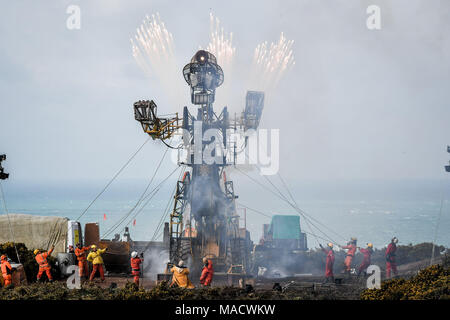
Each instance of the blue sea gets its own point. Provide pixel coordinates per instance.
(372, 211)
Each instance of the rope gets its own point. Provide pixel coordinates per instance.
(119, 222)
(437, 227)
(270, 216)
(282, 197)
(113, 178)
(9, 221)
(152, 195)
(167, 209)
(312, 218)
(292, 198)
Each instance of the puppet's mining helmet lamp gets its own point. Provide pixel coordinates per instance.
(203, 75)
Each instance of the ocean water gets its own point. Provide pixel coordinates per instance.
(372, 211)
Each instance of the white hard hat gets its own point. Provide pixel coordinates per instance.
(181, 263)
(134, 254)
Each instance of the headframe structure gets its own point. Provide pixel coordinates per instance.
(204, 220)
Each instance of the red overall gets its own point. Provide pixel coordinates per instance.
(6, 272)
(366, 259)
(136, 268)
(100, 269)
(207, 274)
(390, 259)
(41, 259)
(82, 263)
(329, 263)
(350, 254)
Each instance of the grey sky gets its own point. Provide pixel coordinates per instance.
(358, 104)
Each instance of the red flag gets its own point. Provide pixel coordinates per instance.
(134, 222)
(104, 216)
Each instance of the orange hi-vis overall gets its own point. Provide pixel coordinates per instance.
(6, 272)
(41, 259)
(350, 254)
(82, 262)
(136, 268)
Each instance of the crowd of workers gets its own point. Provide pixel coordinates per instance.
(180, 272)
(351, 248)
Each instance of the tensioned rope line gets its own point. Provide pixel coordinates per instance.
(287, 201)
(120, 221)
(302, 212)
(270, 216)
(308, 219)
(9, 221)
(148, 197)
(312, 218)
(167, 209)
(437, 226)
(148, 200)
(298, 209)
(113, 178)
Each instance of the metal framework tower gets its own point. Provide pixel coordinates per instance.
(204, 221)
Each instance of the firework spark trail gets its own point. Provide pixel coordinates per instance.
(153, 51)
(221, 45)
(271, 62)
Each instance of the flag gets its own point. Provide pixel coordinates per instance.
(104, 216)
(134, 222)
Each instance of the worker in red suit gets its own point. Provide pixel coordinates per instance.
(390, 258)
(80, 253)
(136, 266)
(351, 247)
(329, 276)
(367, 253)
(207, 272)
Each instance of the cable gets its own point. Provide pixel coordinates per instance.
(149, 197)
(119, 222)
(312, 218)
(287, 201)
(145, 204)
(270, 216)
(167, 209)
(437, 227)
(9, 221)
(114, 177)
(296, 207)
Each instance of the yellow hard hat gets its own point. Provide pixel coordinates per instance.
(93, 246)
(330, 245)
(370, 245)
(36, 251)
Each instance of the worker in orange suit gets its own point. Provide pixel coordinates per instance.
(44, 266)
(351, 247)
(95, 256)
(367, 253)
(80, 252)
(329, 263)
(6, 271)
(207, 272)
(390, 258)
